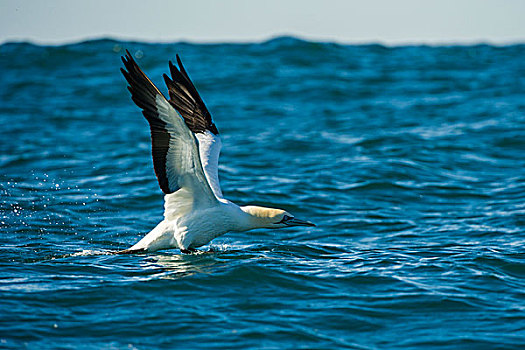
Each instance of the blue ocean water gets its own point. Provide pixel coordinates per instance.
(409, 159)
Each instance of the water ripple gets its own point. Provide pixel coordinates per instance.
(409, 159)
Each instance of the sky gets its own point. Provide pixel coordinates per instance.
(372, 21)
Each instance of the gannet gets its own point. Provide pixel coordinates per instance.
(185, 147)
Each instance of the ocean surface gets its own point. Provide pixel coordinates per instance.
(411, 161)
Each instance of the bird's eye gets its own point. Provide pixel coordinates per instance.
(284, 219)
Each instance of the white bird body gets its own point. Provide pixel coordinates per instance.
(196, 228)
(185, 149)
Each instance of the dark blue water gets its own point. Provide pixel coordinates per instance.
(410, 160)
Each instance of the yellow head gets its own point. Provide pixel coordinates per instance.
(262, 217)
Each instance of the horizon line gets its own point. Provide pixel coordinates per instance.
(386, 43)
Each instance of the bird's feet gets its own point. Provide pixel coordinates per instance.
(188, 251)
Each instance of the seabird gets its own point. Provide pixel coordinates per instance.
(185, 147)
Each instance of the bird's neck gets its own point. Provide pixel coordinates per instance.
(252, 217)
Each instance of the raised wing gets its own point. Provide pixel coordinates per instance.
(175, 152)
(210, 148)
(187, 101)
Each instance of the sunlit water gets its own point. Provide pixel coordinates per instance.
(410, 160)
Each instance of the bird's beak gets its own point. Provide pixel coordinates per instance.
(297, 222)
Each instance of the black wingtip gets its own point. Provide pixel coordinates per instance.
(181, 67)
(167, 79)
(128, 59)
(173, 69)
